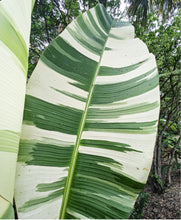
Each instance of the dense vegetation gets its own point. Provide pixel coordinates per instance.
(158, 25)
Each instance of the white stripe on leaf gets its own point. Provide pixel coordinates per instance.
(143, 68)
(31, 132)
(42, 83)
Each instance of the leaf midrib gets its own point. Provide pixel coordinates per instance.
(74, 156)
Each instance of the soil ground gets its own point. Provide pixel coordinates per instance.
(166, 205)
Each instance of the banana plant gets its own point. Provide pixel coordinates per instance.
(90, 118)
(15, 22)
(90, 123)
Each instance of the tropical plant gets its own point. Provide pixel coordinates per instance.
(15, 22)
(90, 123)
(90, 118)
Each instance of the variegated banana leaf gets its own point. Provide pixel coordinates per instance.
(90, 123)
(15, 22)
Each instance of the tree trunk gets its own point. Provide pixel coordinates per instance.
(168, 178)
(157, 153)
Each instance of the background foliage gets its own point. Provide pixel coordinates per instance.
(163, 40)
(157, 23)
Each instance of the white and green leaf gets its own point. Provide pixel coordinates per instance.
(90, 123)
(15, 22)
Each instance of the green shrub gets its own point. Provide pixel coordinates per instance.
(142, 201)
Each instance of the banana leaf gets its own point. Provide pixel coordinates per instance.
(15, 22)
(90, 123)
